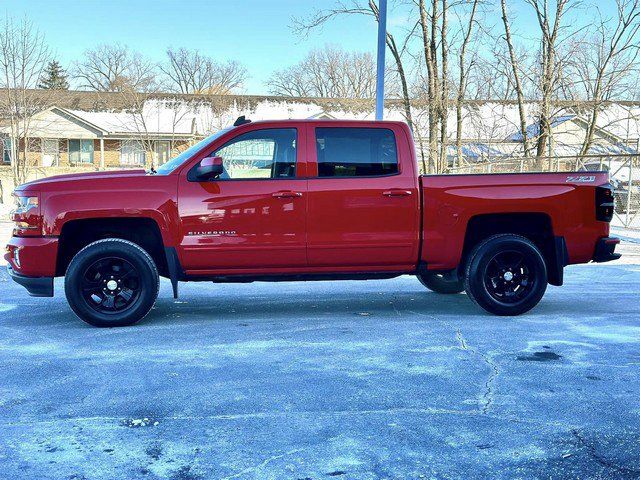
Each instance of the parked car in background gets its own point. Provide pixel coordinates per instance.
(624, 180)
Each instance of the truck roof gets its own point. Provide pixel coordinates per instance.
(329, 121)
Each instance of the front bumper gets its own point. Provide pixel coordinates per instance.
(31, 262)
(37, 256)
(605, 250)
(36, 286)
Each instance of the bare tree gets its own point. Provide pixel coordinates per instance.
(463, 76)
(188, 71)
(606, 59)
(515, 71)
(23, 57)
(444, 82)
(114, 68)
(549, 21)
(328, 72)
(397, 48)
(429, 26)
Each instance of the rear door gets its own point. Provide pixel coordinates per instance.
(253, 217)
(363, 201)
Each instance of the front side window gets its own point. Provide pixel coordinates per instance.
(132, 153)
(268, 153)
(356, 152)
(80, 151)
(177, 161)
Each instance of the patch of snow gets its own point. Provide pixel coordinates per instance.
(6, 307)
(608, 333)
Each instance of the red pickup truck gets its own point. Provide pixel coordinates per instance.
(304, 200)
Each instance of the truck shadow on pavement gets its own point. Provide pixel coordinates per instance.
(339, 302)
(321, 305)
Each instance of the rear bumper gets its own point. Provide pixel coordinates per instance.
(605, 250)
(36, 286)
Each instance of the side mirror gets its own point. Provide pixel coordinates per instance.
(209, 167)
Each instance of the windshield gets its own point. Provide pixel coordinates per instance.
(174, 163)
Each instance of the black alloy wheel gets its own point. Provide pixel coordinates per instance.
(506, 274)
(112, 283)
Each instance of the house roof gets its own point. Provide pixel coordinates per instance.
(608, 149)
(476, 150)
(161, 122)
(533, 130)
(153, 120)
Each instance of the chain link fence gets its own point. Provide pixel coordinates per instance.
(624, 175)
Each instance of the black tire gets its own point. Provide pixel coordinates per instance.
(111, 283)
(490, 286)
(440, 283)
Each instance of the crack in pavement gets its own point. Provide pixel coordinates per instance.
(262, 464)
(593, 453)
(316, 413)
(249, 416)
(488, 396)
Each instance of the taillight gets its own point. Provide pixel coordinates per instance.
(28, 222)
(605, 203)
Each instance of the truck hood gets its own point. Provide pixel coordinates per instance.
(62, 181)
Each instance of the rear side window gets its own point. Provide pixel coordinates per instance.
(356, 152)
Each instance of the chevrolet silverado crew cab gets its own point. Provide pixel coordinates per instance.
(304, 200)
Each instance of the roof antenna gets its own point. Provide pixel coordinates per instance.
(241, 121)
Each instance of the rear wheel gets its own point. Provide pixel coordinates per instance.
(441, 282)
(111, 283)
(506, 275)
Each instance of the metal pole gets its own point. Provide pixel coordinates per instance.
(382, 37)
(627, 222)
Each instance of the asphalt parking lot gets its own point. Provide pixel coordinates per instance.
(348, 380)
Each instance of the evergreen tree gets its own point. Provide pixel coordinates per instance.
(54, 77)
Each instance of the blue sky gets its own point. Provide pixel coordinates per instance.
(256, 33)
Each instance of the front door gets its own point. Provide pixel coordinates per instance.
(252, 218)
(363, 202)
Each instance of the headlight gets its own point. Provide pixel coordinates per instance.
(24, 204)
(26, 216)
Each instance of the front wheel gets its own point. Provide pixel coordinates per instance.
(111, 283)
(506, 275)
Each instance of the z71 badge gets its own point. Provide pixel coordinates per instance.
(581, 179)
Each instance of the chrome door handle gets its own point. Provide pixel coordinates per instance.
(287, 194)
(396, 193)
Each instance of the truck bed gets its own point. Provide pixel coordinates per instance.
(452, 202)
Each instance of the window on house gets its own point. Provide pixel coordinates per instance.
(50, 152)
(356, 152)
(163, 151)
(132, 153)
(80, 151)
(268, 153)
(6, 150)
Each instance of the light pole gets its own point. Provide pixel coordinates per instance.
(382, 37)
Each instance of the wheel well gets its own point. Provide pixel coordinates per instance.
(534, 226)
(77, 234)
